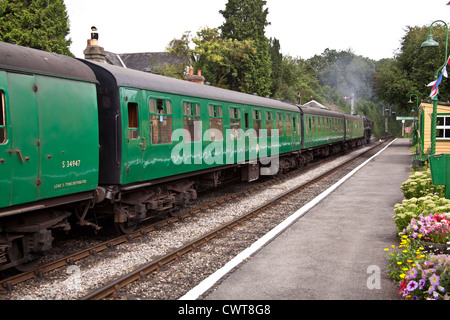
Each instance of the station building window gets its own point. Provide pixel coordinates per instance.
(2, 118)
(160, 121)
(192, 122)
(443, 127)
(215, 122)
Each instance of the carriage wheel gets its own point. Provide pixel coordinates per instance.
(15, 253)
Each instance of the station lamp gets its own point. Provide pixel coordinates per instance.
(430, 42)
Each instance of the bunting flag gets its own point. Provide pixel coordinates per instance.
(435, 84)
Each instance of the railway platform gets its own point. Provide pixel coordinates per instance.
(335, 251)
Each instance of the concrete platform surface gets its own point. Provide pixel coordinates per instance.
(336, 250)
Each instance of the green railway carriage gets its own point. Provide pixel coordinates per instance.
(322, 127)
(354, 127)
(156, 127)
(161, 139)
(48, 143)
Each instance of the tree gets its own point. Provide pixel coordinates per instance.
(277, 59)
(298, 76)
(39, 24)
(246, 20)
(412, 69)
(219, 58)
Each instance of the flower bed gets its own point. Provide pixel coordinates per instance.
(428, 279)
(423, 223)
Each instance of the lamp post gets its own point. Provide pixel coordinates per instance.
(430, 42)
(414, 115)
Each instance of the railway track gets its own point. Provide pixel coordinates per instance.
(113, 287)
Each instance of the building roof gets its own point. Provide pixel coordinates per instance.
(315, 104)
(144, 61)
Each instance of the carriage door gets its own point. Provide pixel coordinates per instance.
(135, 142)
(5, 146)
(24, 138)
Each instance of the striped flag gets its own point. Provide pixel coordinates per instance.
(435, 84)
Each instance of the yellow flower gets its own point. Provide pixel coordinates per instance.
(405, 269)
(399, 263)
(405, 251)
(393, 247)
(386, 249)
(402, 275)
(409, 261)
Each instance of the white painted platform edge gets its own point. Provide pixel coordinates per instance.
(206, 284)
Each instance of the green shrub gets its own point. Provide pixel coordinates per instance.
(411, 208)
(419, 184)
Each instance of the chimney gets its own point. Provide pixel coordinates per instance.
(198, 78)
(93, 51)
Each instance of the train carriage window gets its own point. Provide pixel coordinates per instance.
(133, 121)
(288, 125)
(235, 122)
(2, 118)
(280, 124)
(257, 122)
(160, 121)
(192, 122)
(269, 123)
(215, 122)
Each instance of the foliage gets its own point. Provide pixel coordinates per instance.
(412, 69)
(404, 258)
(219, 58)
(39, 24)
(238, 56)
(245, 20)
(298, 76)
(420, 184)
(412, 208)
(276, 58)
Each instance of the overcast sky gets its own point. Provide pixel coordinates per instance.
(372, 29)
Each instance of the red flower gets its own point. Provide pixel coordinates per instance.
(403, 285)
